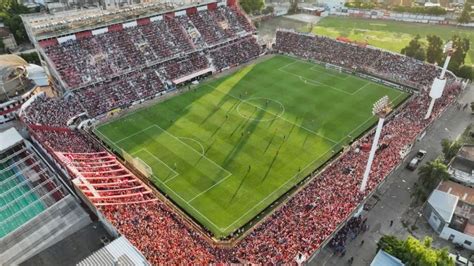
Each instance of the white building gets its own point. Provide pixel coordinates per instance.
(450, 212)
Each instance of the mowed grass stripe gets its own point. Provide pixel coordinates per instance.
(238, 121)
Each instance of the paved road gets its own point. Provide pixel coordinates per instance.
(394, 202)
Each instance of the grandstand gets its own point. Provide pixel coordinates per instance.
(102, 70)
(29, 192)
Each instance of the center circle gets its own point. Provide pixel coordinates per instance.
(248, 107)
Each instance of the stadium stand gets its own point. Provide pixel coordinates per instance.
(390, 66)
(304, 223)
(29, 191)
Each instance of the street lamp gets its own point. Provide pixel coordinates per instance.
(381, 109)
(439, 83)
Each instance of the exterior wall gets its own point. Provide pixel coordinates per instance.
(458, 237)
(433, 218)
(9, 42)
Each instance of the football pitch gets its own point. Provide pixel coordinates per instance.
(229, 148)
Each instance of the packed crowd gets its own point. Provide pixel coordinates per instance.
(235, 53)
(394, 67)
(52, 111)
(349, 232)
(302, 225)
(100, 57)
(307, 221)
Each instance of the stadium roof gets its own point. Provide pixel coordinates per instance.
(9, 137)
(9, 63)
(37, 75)
(118, 252)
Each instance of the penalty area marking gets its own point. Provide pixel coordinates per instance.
(195, 141)
(158, 159)
(247, 101)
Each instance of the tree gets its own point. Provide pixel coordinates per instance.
(461, 46)
(10, 12)
(415, 49)
(465, 16)
(293, 7)
(432, 173)
(434, 51)
(450, 148)
(415, 252)
(466, 72)
(252, 6)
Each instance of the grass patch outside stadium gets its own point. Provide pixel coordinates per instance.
(388, 34)
(228, 149)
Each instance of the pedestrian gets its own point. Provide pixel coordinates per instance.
(391, 223)
(351, 260)
(362, 242)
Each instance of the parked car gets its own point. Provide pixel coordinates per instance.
(419, 156)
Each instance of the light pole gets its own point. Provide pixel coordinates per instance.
(381, 109)
(439, 83)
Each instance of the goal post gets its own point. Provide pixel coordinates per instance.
(143, 167)
(138, 164)
(333, 67)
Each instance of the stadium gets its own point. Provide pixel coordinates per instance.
(198, 143)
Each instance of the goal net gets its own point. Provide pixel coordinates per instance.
(333, 67)
(138, 164)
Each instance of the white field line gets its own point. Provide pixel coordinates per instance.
(362, 87)
(179, 196)
(184, 143)
(195, 141)
(158, 159)
(107, 138)
(315, 69)
(211, 187)
(133, 135)
(314, 81)
(284, 184)
(282, 118)
(202, 215)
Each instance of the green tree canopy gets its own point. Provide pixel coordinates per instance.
(415, 49)
(434, 51)
(465, 16)
(432, 173)
(450, 148)
(461, 47)
(252, 6)
(10, 12)
(415, 252)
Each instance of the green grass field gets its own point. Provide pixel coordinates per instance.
(228, 149)
(390, 35)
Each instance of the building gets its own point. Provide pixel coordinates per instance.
(461, 166)
(118, 252)
(36, 210)
(450, 212)
(7, 39)
(19, 81)
(384, 259)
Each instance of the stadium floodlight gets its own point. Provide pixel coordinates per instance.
(439, 83)
(381, 109)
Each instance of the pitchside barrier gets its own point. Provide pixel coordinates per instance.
(137, 163)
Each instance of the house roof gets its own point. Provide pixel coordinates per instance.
(465, 194)
(444, 204)
(384, 259)
(464, 160)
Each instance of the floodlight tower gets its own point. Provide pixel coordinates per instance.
(439, 83)
(381, 109)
